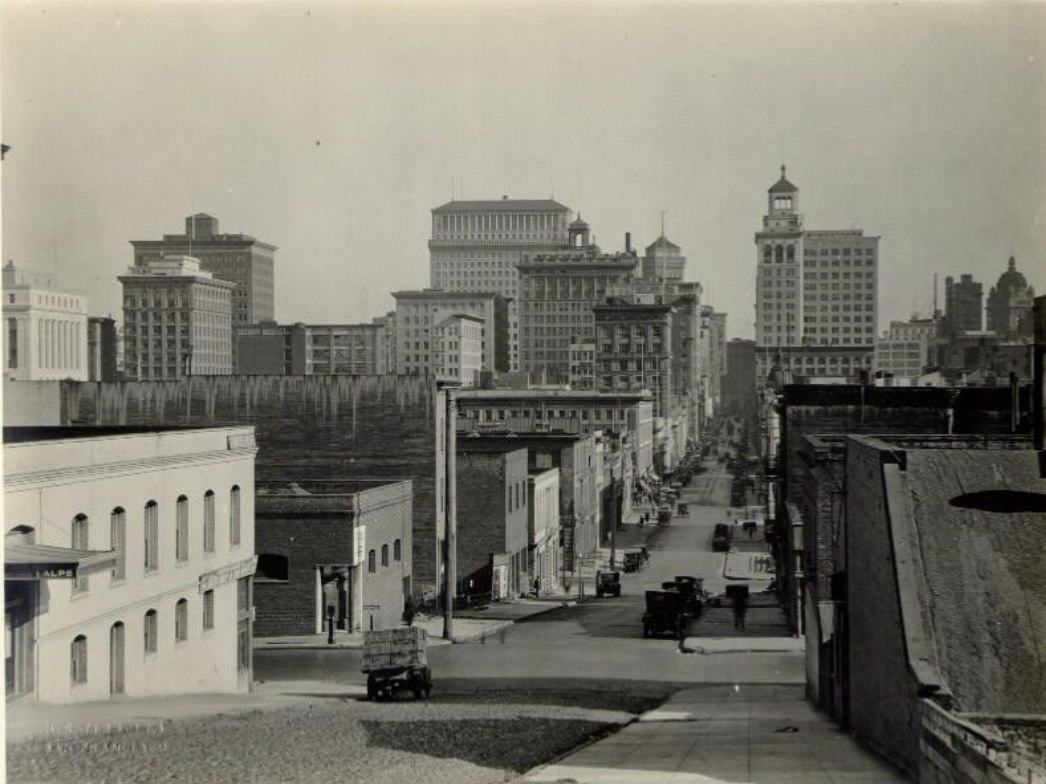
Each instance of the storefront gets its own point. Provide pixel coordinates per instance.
(28, 567)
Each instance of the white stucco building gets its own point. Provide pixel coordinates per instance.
(543, 529)
(458, 341)
(129, 555)
(45, 328)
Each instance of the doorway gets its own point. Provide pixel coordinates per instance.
(116, 658)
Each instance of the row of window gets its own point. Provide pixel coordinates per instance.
(80, 530)
(372, 556)
(78, 648)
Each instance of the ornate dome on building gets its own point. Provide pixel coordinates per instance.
(783, 185)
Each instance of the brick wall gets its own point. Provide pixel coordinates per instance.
(290, 608)
(307, 426)
(481, 517)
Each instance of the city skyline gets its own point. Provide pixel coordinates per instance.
(374, 116)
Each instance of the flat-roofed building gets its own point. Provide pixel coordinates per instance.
(101, 348)
(634, 350)
(177, 320)
(45, 328)
(338, 543)
(129, 555)
(418, 313)
(557, 294)
(237, 258)
(550, 411)
(476, 245)
(459, 350)
(311, 349)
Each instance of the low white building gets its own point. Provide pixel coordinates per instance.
(543, 529)
(129, 555)
(45, 328)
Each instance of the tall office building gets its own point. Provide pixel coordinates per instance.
(418, 313)
(311, 349)
(45, 328)
(476, 245)
(237, 258)
(963, 304)
(1010, 304)
(663, 261)
(816, 293)
(177, 320)
(634, 350)
(557, 294)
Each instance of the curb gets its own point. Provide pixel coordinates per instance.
(481, 634)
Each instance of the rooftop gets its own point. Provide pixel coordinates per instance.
(22, 435)
(572, 395)
(504, 204)
(319, 487)
(443, 294)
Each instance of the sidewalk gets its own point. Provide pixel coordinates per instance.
(762, 734)
(466, 629)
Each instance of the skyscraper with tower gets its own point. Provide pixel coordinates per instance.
(816, 294)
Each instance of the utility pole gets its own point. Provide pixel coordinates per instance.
(451, 474)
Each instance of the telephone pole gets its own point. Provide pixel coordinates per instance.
(450, 561)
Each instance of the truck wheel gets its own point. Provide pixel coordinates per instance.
(417, 684)
(599, 593)
(372, 689)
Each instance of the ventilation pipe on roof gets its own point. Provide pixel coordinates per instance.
(628, 242)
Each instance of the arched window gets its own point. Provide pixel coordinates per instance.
(152, 536)
(234, 515)
(384, 555)
(151, 629)
(397, 550)
(791, 252)
(779, 253)
(181, 530)
(181, 620)
(208, 521)
(768, 253)
(118, 541)
(78, 659)
(372, 564)
(79, 542)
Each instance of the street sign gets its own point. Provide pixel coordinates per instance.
(371, 607)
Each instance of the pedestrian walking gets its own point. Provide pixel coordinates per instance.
(740, 607)
(409, 611)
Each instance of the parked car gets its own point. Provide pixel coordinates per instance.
(722, 537)
(665, 612)
(608, 584)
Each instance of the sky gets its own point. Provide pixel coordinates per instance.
(332, 129)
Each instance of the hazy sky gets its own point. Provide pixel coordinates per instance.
(331, 130)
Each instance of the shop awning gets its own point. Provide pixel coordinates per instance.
(29, 561)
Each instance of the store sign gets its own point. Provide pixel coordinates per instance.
(359, 544)
(228, 574)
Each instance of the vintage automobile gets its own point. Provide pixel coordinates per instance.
(722, 537)
(664, 515)
(633, 561)
(608, 583)
(665, 613)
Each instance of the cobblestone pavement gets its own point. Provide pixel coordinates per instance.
(456, 738)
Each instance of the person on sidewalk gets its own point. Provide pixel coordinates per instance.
(740, 607)
(409, 611)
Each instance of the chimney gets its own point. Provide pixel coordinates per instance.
(504, 197)
(628, 242)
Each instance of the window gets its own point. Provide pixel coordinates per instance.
(272, 567)
(181, 620)
(152, 533)
(78, 659)
(151, 626)
(208, 609)
(234, 515)
(79, 536)
(372, 565)
(384, 555)
(208, 521)
(181, 531)
(118, 542)
(397, 550)
(12, 341)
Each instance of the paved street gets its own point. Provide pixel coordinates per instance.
(504, 706)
